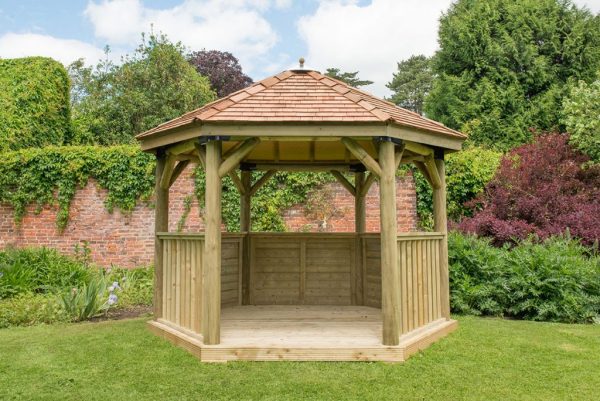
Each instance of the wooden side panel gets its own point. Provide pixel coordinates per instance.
(182, 272)
(328, 270)
(419, 264)
(372, 271)
(275, 271)
(230, 272)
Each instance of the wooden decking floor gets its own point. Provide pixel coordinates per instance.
(303, 332)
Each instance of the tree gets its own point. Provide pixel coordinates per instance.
(350, 78)
(503, 66)
(111, 104)
(412, 83)
(222, 69)
(582, 117)
(542, 188)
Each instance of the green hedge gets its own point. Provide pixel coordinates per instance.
(34, 103)
(555, 280)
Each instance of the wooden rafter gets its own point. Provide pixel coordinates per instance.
(361, 154)
(344, 181)
(436, 182)
(262, 180)
(237, 156)
(418, 148)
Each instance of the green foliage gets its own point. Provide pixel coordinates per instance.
(113, 103)
(351, 78)
(30, 309)
(88, 301)
(503, 66)
(581, 110)
(38, 270)
(137, 285)
(557, 280)
(34, 103)
(412, 83)
(52, 175)
(467, 174)
(280, 192)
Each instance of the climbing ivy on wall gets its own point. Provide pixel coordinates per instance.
(51, 176)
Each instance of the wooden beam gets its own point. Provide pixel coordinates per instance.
(236, 157)
(201, 153)
(430, 165)
(182, 147)
(418, 148)
(319, 167)
(367, 185)
(261, 181)
(398, 155)
(411, 159)
(359, 203)
(178, 170)
(345, 183)
(440, 224)
(165, 179)
(390, 273)
(161, 224)
(237, 182)
(361, 154)
(423, 170)
(211, 267)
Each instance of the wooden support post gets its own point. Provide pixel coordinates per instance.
(359, 228)
(440, 224)
(390, 273)
(161, 224)
(211, 268)
(245, 226)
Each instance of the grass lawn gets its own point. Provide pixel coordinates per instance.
(486, 359)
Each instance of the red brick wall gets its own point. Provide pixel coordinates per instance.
(127, 239)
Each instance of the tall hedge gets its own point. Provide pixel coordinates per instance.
(34, 103)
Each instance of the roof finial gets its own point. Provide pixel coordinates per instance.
(301, 61)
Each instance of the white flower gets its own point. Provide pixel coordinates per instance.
(112, 299)
(116, 286)
(111, 288)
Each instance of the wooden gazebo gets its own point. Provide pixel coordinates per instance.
(301, 296)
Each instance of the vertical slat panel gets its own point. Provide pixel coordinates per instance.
(426, 292)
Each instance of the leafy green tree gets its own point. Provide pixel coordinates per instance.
(412, 83)
(582, 117)
(34, 103)
(503, 66)
(111, 104)
(351, 78)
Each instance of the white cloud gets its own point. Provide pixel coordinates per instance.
(371, 38)
(593, 5)
(237, 26)
(13, 45)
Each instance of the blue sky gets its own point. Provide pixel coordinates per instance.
(267, 36)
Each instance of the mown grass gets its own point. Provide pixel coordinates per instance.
(486, 359)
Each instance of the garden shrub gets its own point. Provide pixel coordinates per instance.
(38, 270)
(34, 103)
(30, 309)
(467, 174)
(543, 188)
(555, 280)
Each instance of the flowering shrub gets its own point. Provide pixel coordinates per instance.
(543, 188)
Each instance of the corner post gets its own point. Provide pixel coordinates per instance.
(245, 226)
(390, 274)
(440, 224)
(161, 224)
(211, 268)
(359, 203)
(359, 228)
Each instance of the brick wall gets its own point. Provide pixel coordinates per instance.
(127, 239)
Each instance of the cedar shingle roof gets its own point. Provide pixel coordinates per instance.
(303, 96)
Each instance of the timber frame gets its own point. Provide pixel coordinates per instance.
(199, 274)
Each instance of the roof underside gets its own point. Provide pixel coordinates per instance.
(299, 99)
